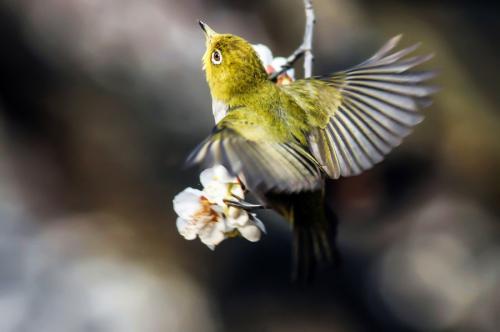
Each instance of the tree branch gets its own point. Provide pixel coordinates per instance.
(308, 38)
(304, 49)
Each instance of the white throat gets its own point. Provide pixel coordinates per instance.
(219, 109)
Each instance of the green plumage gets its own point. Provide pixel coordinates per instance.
(282, 140)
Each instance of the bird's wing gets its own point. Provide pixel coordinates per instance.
(362, 113)
(262, 164)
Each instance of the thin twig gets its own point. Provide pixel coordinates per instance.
(290, 61)
(304, 49)
(308, 38)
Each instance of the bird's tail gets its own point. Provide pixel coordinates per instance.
(315, 231)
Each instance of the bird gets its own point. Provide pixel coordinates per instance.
(284, 141)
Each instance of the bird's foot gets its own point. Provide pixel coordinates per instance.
(244, 205)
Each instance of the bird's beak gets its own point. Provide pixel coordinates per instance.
(207, 30)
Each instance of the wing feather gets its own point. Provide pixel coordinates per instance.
(262, 166)
(378, 103)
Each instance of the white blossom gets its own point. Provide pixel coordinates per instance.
(286, 77)
(272, 64)
(264, 53)
(199, 217)
(205, 213)
(218, 185)
(247, 224)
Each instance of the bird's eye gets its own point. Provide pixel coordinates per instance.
(216, 57)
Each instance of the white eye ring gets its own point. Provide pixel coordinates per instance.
(216, 57)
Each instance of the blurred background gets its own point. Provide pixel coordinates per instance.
(100, 103)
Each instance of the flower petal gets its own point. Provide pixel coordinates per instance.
(186, 229)
(213, 234)
(187, 202)
(236, 217)
(264, 53)
(278, 62)
(217, 182)
(237, 190)
(207, 176)
(250, 232)
(216, 192)
(218, 173)
(223, 175)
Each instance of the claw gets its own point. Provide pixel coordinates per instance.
(244, 205)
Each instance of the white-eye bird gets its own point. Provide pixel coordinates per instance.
(282, 141)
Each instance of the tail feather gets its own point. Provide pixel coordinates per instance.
(314, 231)
(314, 241)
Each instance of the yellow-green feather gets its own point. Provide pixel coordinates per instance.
(240, 71)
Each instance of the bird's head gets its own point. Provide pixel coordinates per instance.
(231, 64)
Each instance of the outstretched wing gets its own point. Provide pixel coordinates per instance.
(262, 165)
(370, 108)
